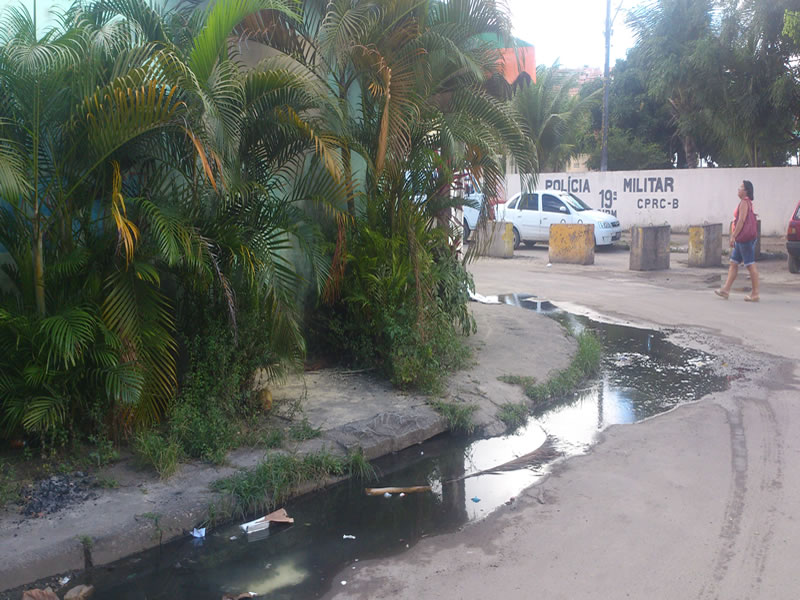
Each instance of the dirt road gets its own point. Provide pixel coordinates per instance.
(701, 502)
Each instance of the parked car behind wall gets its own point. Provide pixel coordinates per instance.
(532, 213)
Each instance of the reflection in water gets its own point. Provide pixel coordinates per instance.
(642, 374)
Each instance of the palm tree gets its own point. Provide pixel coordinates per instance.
(139, 147)
(417, 80)
(553, 115)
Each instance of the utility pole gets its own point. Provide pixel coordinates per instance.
(604, 155)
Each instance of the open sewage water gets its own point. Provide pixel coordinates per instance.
(642, 374)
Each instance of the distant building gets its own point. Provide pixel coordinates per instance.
(519, 62)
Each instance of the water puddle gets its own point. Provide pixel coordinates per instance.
(642, 375)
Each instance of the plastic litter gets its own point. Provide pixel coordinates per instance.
(64, 580)
(402, 494)
(347, 536)
(387, 495)
(343, 582)
(233, 537)
(199, 533)
(475, 499)
(396, 490)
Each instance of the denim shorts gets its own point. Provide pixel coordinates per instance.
(744, 253)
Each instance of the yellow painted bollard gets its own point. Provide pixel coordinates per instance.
(572, 244)
(705, 245)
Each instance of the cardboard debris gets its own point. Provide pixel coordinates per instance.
(279, 516)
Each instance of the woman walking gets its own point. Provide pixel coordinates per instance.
(743, 242)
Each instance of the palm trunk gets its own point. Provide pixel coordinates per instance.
(691, 152)
(38, 263)
(348, 178)
(346, 154)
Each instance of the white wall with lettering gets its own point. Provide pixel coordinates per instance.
(679, 197)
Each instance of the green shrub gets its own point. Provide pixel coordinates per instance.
(403, 307)
(157, 451)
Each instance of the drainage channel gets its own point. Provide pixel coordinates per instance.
(642, 374)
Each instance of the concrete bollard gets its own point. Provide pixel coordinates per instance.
(705, 245)
(571, 244)
(650, 248)
(495, 239)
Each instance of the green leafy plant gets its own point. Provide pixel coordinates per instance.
(274, 480)
(10, 487)
(359, 467)
(585, 362)
(458, 415)
(156, 451)
(303, 431)
(273, 438)
(513, 415)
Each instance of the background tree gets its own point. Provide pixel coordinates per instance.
(675, 40)
(555, 115)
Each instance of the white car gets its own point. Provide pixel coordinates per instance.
(532, 213)
(471, 214)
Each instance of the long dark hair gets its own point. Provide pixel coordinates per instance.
(748, 187)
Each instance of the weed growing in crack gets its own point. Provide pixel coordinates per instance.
(274, 480)
(359, 467)
(514, 415)
(303, 431)
(585, 363)
(458, 416)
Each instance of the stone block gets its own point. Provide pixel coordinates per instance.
(572, 244)
(705, 245)
(650, 248)
(495, 239)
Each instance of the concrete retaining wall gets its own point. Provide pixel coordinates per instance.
(679, 197)
(650, 248)
(572, 244)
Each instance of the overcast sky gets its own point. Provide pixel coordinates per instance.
(571, 30)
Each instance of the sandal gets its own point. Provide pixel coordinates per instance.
(721, 294)
(751, 298)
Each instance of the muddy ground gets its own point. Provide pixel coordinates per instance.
(700, 502)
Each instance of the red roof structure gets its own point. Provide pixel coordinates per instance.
(520, 61)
